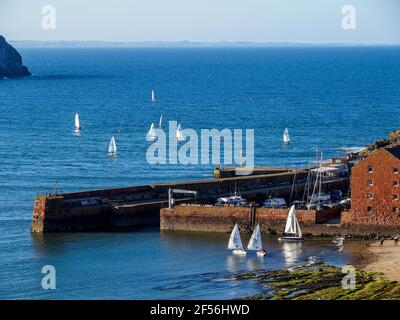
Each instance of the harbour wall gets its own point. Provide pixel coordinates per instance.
(322, 223)
(113, 209)
(221, 219)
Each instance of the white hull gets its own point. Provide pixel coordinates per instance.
(239, 252)
(261, 253)
(291, 238)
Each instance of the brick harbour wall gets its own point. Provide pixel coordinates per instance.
(104, 210)
(222, 219)
(51, 214)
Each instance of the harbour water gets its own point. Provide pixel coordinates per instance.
(331, 98)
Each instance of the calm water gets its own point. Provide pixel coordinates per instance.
(329, 97)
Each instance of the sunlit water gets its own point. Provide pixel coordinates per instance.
(328, 97)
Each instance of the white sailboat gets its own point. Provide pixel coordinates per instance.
(153, 96)
(292, 228)
(160, 122)
(179, 135)
(286, 137)
(255, 243)
(77, 123)
(112, 148)
(235, 242)
(151, 134)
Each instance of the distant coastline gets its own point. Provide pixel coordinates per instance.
(184, 44)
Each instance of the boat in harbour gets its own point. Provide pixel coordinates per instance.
(77, 122)
(153, 96)
(112, 147)
(160, 122)
(255, 243)
(292, 228)
(235, 242)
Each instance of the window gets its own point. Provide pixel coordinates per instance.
(370, 182)
(395, 170)
(370, 195)
(395, 197)
(369, 208)
(395, 183)
(396, 209)
(370, 170)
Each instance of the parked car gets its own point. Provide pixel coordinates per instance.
(336, 195)
(345, 204)
(301, 205)
(275, 203)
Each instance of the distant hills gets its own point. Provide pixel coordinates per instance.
(178, 44)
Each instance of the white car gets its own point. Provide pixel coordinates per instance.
(275, 203)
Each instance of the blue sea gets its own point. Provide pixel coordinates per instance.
(331, 98)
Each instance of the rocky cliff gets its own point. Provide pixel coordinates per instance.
(11, 62)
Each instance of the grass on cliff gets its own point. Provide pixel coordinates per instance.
(323, 282)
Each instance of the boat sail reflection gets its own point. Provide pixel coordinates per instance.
(291, 252)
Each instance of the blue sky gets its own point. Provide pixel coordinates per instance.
(311, 21)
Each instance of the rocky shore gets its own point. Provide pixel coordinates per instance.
(322, 282)
(11, 62)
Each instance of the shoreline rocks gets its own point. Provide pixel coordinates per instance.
(11, 61)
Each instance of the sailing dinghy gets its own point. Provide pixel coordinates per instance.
(235, 242)
(292, 228)
(286, 137)
(179, 135)
(112, 148)
(255, 243)
(77, 123)
(151, 135)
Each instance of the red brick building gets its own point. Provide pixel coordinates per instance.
(375, 188)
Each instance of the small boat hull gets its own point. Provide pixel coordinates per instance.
(291, 238)
(239, 252)
(261, 253)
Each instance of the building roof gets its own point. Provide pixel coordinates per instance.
(394, 150)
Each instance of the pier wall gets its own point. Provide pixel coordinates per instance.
(111, 209)
(222, 219)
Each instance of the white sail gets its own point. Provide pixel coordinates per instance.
(160, 122)
(179, 135)
(286, 137)
(112, 148)
(235, 242)
(292, 225)
(153, 96)
(255, 242)
(151, 135)
(77, 123)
